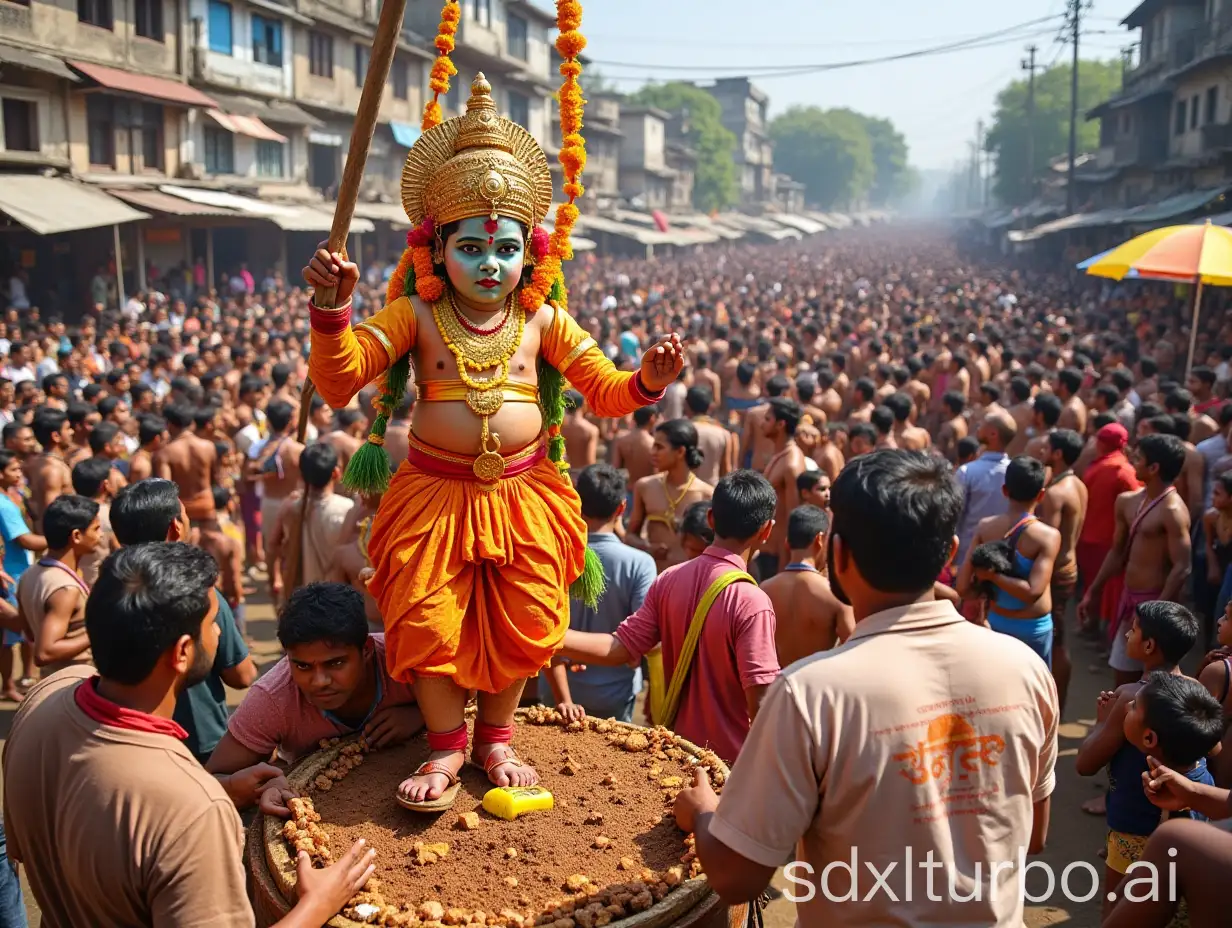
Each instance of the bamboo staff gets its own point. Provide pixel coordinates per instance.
(387, 31)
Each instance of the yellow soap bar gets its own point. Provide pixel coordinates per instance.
(508, 802)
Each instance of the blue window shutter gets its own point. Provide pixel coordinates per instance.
(220, 27)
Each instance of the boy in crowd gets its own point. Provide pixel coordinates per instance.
(19, 541)
(149, 511)
(606, 692)
(51, 595)
(92, 479)
(808, 616)
(332, 682)
(320, 531)
(814, 488)
(735, 660)
(696, 535)
(1162, 633)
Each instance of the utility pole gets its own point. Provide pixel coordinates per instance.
(1029, 67)
(1075, 21)
(979, 164)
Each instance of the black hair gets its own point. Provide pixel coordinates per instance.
(806, 387)
(866, 388)
(279, 413)
(882, 419)
(101, 436)
(147, 598)
(1049, 407)
(1203, 373)
(863, 430)
(150, 428)
(681, 433)
(1167, 451)
(699, 399)
(808, 479)
(46, 423)
(694, 522)
(143, 511)
(1148, 366)
(900, 405)
(602, 489)
(280, 374)
(89, 476)
(745, 371)
(332, 612)
(90, 391)
(991, 390)
(7, 458)
(1024, 479)
(108, 404)
(804, 524)
(1068, 442)
(317, 464)
(1021, 388)
(12, 428)
(222, 497)
(50, 380)
(778, 385)
(643, 415)
(348, 417)
(786, 410)
(1172, 627)
(743, 502)
(179, 414)
(1122, 379)
(1187, 720)
(1071, 379)
(968, 447)
(955, 402)
(909, 496)
(67, 514)
(203, 416)
(1108, 393)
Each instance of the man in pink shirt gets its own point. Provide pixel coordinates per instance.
(332, 682)
(736, 659)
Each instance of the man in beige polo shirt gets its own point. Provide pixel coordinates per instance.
(909, 770)
(115, 822)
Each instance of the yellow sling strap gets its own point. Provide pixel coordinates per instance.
(665, 701)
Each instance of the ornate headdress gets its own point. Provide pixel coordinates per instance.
(474, 165)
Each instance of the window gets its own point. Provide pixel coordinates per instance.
(398, 72)
(148, 19)
(519, 109)
(219, 151)
(269, 158)
(1212, 104)
(266, 41)
(517, 37)
(220, 27)
(481, 11)
(453, 99)
(19, 125)
(362, 54)
(100, 129)
(1194, 111)
(95, 13)
(320, 54)
(1179, 128)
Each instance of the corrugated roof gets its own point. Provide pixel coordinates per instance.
(316, 219)
(158, 88)
(161, 202)
(47, 205)
(20, 58)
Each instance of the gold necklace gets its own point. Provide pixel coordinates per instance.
(673, 503)
(480, 353)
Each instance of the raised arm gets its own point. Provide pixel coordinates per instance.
(609, 392)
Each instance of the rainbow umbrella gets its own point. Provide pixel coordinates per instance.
(1195, 254)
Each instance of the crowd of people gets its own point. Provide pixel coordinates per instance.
(916, 472)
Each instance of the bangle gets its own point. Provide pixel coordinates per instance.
(644, 397)
(329, 321)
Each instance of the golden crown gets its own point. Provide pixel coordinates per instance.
(477, 164)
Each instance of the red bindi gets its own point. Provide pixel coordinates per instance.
(489, 240)
(490, 227)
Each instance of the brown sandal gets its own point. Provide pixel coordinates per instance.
(441, 802)
(508, 756)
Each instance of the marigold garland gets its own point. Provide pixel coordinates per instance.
(442, 69)
(570, 43)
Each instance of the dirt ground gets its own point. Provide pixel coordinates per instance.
(1073, 835)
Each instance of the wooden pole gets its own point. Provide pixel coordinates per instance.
(1193, 328)
(388, 28)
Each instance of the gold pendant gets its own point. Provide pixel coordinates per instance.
(485, 402)
(489, 466)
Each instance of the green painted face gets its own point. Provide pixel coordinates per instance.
(484, 260)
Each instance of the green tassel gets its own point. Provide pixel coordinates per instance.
(368, 470)
(590, 586)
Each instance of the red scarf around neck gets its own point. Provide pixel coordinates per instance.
(106, 712)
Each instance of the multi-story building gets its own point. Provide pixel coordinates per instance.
(745, 116)
(1169, 130)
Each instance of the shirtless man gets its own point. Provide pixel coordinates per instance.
(806, 394)
(1064, 507)
(720, 447)
(862, 405)
(1191, 484)
(953, 425)
(907, 436)
(660, 500)
(756, 448)
(830, 402)
(580, 434)
(397, 433)
(49, 473)
(1047, 409)
(151, 432)
(349, 436)
(810, 617)
(703, 376)
(82, 417)
(916, 388)
(727, 371)
(632, 450)
(1151, 544)
(742, 394)
(228, 553)
(1023, 413)
(1074, 411)
(190, 462)
(784, 466)
(276, 466)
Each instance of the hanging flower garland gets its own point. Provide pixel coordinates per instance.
(570, 43)
(443, 68)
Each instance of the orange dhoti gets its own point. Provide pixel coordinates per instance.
(473, 579)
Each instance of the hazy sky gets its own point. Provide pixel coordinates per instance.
(934, 100)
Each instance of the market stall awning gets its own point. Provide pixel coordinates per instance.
(232, 201)
(158, 88)
(160, 202)
(1177, 205)
(47, 205)
(250, 126)
(393, 213)
(315, 219)
(33, 61)
(404, 133)
(794, 221)
(277, 112)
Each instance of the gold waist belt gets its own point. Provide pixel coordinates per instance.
(447, 391)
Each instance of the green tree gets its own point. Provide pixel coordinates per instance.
(1098, 80)
(714, 186)
(892, 178)
(829, 151)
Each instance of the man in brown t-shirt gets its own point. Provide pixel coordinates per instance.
(100, 756)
